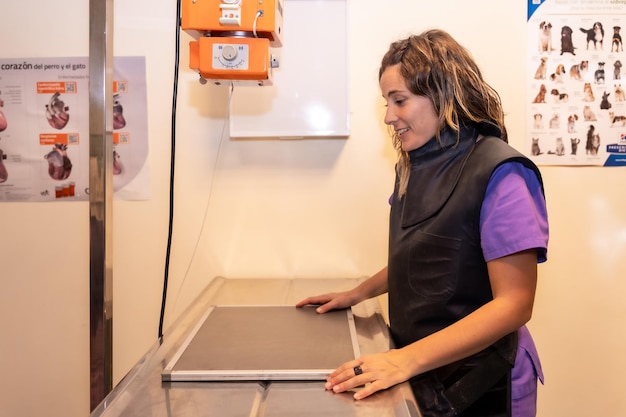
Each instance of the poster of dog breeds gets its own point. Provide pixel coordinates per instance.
(576, 90)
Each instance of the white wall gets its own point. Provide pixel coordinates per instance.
(284, 209)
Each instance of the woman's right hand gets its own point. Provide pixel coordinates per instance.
(372, 287)
(330, 301)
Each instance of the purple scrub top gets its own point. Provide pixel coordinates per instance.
(514, 218)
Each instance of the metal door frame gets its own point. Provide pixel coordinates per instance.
(100, 197)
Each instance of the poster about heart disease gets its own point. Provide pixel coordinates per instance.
(44, 129)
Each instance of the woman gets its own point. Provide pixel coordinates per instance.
(468, 226)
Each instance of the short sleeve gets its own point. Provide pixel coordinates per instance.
(513, 216)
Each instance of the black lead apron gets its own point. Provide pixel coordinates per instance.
(437, 272)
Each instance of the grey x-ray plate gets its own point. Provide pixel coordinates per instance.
(262, 343)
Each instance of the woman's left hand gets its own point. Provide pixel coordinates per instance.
(374, 372)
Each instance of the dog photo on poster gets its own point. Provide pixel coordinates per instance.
(576, 100)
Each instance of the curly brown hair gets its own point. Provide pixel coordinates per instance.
(436, 66)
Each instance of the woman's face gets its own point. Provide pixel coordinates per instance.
(412, 117)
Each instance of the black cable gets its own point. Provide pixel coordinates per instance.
(172, 170)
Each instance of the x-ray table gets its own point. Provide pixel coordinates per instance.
(201, 368)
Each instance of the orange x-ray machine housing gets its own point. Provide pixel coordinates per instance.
(233, 38)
